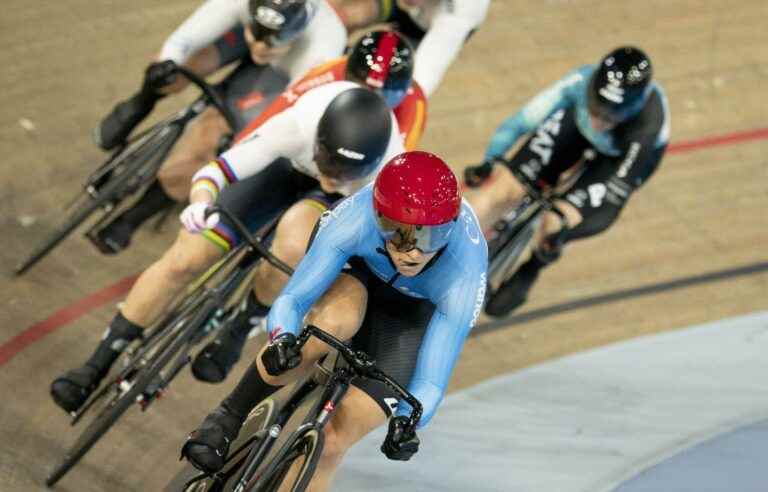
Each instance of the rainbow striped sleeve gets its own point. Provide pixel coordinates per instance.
(213, 177)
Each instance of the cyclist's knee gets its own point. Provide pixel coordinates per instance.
(502, 191)
(357, 415)
(293, 232)
(571, 215)
(505, 187)
(189, 256)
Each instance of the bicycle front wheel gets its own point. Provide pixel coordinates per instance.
(109, 415)
(81, 213)
(134, 170)
(296, 466)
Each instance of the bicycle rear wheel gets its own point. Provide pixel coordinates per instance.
(147, 374)
(152, 150)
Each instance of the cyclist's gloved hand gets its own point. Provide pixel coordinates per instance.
(474, 176)
(159, 75)
(194, 217)
(401, 442)
(282, 354)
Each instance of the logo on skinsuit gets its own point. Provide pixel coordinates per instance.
(626, 165)
(470, 226)
(274, 333)
(330, 214)
(478, 301)
(543, 142)
(252, 99)
(292, 94)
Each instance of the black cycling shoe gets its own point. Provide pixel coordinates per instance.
(514, 292)
(73, 388)
(208, 445)
(112, 238)
(115, 128)
(214, 362)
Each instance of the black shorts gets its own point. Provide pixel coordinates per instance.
(402, 22)
(391, 333)
(601, 189)
(232, 46)
(261, 198)
(249, 89)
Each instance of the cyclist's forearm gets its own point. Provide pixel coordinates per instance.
(428, 394)
(211, 179)
(439, 48)
(208, 23)
(530, 116)
(316, 272)
(505, 137)
(454, 317)
(285, 316)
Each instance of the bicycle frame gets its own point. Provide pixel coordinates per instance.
(514, 231)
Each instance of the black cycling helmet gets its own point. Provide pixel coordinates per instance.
(620, 85)
(279, 21)
(353, 134)
(382, 60)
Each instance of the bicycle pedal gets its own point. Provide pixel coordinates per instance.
(124, 386)
(92, 191)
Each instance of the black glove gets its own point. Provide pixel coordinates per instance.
(282, 354)
(474, 176)
(159, 75)
(401, 442)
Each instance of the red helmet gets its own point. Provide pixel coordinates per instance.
(382, 60)
(417, 201)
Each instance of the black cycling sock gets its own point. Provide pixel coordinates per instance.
(253, 309)
(256, 307)
(153, 201)
(248, 393)
(119, 334)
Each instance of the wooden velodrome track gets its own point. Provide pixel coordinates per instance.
(704, 212)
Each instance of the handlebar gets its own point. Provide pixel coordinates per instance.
(211, 93)
(364, 366)
(254, 242)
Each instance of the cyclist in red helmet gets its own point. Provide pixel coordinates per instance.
(399, 269)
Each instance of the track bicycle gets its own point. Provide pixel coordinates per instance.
(285, 431)
(152, 362)
(512, 234)
(133, 167)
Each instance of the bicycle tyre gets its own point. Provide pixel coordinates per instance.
(74, 220)
(275, 474)
(104, 421)
(109, 192)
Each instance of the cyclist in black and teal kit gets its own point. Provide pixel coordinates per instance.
(609, 122)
